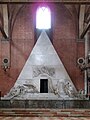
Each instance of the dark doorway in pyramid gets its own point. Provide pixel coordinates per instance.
(43, 85)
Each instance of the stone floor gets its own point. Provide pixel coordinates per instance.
(18, 112)
(44, 118)
(44, 114)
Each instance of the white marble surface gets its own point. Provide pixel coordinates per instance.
(42, 59)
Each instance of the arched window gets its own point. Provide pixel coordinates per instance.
(43, 18)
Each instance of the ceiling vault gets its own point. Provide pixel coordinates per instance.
(9, 17)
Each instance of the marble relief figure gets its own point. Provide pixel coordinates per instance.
(38, 70)
(62, 88)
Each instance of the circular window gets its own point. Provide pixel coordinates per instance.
(5, 60)
(81, 60)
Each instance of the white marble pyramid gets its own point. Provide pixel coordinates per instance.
(43, 62)
(43, 54)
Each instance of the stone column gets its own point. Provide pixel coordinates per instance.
(87, 50)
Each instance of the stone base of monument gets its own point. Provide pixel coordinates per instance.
(54, 104)
(39, 96)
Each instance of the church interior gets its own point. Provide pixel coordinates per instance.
(45, 59)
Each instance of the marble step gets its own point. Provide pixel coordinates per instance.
(45, 112)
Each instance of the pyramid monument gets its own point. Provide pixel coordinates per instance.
(43, 75)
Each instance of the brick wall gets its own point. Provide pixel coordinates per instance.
(21, 45)
(64, 41)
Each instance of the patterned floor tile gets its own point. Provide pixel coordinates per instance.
(44, 118)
